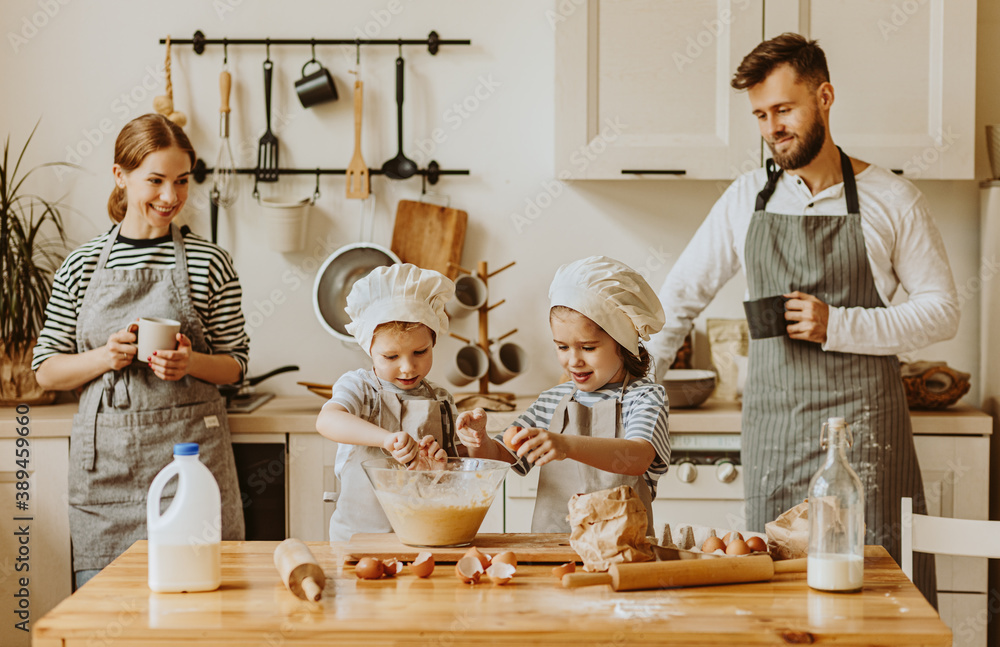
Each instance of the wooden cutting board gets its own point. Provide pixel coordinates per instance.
(530, 548)
(429, 236)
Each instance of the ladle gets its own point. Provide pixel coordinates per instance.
(399, 167)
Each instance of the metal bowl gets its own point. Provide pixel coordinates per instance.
(687, 387)
(335, 279)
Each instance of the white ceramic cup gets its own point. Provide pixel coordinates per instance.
(155, 334)
(507, 361)
(471, 363)
(470, 295)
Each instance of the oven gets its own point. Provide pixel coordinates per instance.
(703, 486)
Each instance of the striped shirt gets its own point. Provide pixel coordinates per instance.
(215, 291)
(644, 417)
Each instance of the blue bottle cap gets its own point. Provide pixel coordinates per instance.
(186, 449)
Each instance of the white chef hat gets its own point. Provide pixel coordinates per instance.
(401, 292)
(612, 295)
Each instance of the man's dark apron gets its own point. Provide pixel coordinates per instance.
(794, 386)
(130, 419)
(358, 509)
(558, 481)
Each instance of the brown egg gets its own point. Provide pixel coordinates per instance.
(501, 572)
(730, 536)
(505, 558)
(713, 544)
(756, 544)
(737, 547)
(475, 552)
(469, 570)
(508, 438)
(391, 567)
(559, 571)
(423, 565)
(369, 568)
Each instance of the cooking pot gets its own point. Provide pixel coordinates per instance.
(335, 279)
(230, 391)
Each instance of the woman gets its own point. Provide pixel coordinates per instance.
(133, 409)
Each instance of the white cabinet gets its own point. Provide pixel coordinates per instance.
(643, 85)
(904, 74)
(46, 550)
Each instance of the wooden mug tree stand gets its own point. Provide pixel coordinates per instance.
(484, 398)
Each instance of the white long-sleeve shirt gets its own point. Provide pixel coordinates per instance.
(903, 245)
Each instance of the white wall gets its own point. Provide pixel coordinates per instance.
(74, 70)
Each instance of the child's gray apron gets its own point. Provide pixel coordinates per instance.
(558, 481)
(130, 419)
(358, 509)
(794, 386)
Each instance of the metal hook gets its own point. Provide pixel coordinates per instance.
(400, 41)
(316, 191)
(357, 51)
(225, 51)
(267, 42)
(312, 42)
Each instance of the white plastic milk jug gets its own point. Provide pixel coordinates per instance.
(185, 541)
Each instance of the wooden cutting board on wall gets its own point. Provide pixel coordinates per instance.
(429, 236)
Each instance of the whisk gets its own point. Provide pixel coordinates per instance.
(224, 184)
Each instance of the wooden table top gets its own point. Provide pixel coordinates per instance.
(252, 607)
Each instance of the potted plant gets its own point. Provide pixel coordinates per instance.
(32, 245)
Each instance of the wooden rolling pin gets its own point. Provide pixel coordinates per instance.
(299, 570)
(686, 572)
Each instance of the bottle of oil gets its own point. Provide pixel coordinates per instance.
(836, 516)
(185, 540)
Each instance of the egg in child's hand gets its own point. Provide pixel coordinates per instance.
(508, 438)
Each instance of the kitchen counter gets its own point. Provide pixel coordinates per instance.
(297, 415)
(253, 607)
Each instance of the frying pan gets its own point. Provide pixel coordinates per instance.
(335, 279)
(229, 391)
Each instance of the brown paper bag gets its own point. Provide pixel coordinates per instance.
(788, 535)
(609, 527)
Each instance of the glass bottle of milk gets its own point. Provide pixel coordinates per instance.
(836, 516)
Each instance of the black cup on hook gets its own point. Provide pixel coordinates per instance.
(316, 87)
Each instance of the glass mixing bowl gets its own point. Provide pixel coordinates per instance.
(436, 508)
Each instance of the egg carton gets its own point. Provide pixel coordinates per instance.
(690, 537)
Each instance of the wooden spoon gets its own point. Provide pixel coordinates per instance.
(357, 170)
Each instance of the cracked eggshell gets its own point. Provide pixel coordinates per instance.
(501, 572)
(469, 569)
(423, 565)
(475, 552)
(369, 568)
(505, 558)
(391, 567)
(559, 571)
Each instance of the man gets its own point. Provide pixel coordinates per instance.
(839, 238)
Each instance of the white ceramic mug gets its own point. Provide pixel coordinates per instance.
(471, 363)
(506, 362)
(470, 295)
(154, 334)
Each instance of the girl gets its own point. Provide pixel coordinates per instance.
(397, 313)
(133, 409)
(610, 419)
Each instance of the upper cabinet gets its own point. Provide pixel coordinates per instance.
(642, 86)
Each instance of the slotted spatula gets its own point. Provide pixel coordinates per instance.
(267, 147)
(357, 170)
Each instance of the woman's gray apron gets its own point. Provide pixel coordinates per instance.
(558, 481)
(130, 419)
(358, 510)
(794, 386)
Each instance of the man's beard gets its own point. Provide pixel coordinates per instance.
(804, 150)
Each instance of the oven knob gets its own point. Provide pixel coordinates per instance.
(725, 471)
(687, 472)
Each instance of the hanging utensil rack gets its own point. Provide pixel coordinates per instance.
(433, 42)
